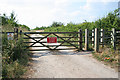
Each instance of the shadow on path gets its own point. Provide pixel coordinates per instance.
(56, 52)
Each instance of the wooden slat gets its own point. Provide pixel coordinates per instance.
(107, 37)
(46, 42)
(117, 29)
(6, 32)
(105, 44)
(67, 42)
(52, 49)
(107, 31)
(42, 37)
(91, 36)
(68, 37)
(48, 45)
(32, 37)
(51, 32)
(118, 38)
(117, 34)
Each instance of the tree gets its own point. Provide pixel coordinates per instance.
(11, 20)
(56, 24)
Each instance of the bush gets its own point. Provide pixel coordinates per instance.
(14, 57)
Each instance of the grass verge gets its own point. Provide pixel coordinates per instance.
(109, 57)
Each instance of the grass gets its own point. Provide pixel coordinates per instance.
(109, 56)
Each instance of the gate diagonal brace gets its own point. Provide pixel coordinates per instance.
(38, 41)
(65, 41)
(61, 43)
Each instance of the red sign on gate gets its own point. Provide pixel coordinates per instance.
(51, 39)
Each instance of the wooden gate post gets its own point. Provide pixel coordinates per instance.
(80, 39)
(102, 37)
(113, 34)
(20, 31)
(96, 48)
(86, 39)
(93, 32)
(15, 33)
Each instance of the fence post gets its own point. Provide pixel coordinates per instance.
(102, 37)
(93, 31)
(80, 39)
(96, 48)
(20, 31)
(86, 39)
(15, 33)
(113, 34)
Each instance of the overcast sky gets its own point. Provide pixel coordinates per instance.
(43, 12)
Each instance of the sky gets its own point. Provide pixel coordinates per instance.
(44, 12)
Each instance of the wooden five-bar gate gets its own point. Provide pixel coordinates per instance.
(73, 40)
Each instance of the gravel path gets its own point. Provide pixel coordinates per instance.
(68, 64)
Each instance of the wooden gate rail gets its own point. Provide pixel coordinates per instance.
(52, 49)
(42, 37)
(51, 32)
(49, 45)
(57, 41)
(6, 32)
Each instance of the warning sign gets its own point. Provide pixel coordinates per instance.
(51, 39)
(10, 36)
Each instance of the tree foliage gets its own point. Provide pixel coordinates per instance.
(111, 20)
(40, 28)
(9, 22)
(56, 24)
(9, 19)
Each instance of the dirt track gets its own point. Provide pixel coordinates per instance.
(68, 64)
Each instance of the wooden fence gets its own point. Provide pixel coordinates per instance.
(95, 38)
(101, 37)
